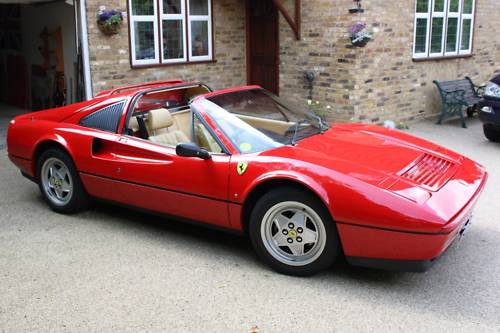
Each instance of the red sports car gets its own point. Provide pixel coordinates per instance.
(242, 159)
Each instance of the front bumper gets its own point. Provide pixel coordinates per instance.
(416, 266)
(402, 265)
(493, 114)
(402, 250)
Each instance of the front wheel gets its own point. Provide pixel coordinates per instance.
(59, 182)
(491, 132)
(293, 232)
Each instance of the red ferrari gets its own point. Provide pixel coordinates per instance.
(242, 159)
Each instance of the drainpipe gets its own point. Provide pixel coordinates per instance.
(85, 49)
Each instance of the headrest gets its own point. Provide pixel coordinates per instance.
(159, 118)
(133, 124)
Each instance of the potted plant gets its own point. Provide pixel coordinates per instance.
(360, 36)
(320, 110)
(109, 21)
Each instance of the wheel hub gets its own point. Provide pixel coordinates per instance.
(56, 181)
(293, 233)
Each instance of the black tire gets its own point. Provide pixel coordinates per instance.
(79, 198)
(470, 112)
(491, 132)
(282, 195)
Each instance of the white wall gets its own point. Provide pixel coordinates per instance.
(52, 15)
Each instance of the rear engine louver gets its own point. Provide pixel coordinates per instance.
(430, 171)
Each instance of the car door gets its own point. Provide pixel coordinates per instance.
(154, 177)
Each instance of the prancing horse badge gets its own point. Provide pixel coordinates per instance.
(242, 167)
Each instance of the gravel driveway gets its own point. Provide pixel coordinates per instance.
(115, 270)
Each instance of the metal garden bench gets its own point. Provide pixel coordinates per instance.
(457, 95)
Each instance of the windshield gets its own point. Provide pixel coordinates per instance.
(255, 120)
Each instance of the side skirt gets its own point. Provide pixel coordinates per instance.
(171, 218)
(25, 175)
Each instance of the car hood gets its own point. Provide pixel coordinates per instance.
(376, 155)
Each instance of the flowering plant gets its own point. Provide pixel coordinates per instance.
(317, 108)
(109, 21)
(360, 35)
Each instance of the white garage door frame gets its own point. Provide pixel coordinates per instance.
(83, 35)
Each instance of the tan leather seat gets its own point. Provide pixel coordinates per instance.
(158, 123)
(133, 124)
(205, 140)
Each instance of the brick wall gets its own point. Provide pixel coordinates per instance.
(371, 84)
(109, 55)
(393, 86)
(380, 81)
(324, 50)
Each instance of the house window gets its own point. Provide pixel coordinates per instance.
(443, 28)
(170, 31)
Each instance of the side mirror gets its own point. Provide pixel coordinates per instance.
(192, 150)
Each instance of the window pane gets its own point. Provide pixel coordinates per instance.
(454, 5)
(468, 4)
(199, 38)
(451, 37)
(466, 32)
(422, 6)
(421, 35)
(173, 45)
(198, 7)
(172, 7)
(143, 7)
(439, 5)
(204, 138)
(144, 40)
(437, 35)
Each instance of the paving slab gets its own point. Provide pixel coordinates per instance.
(111, 269)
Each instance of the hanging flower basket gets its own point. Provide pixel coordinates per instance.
(359, 43)
(109, 21)
(360, 36)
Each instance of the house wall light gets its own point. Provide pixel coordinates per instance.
(358, 9)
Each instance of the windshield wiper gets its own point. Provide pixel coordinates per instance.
(322, 126)
(297, 125)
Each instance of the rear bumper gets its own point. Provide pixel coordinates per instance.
(25, 165)
(402, 250)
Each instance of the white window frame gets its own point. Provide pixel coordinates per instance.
(437, 15)
(446, 14)
(173, 17)
(208, 19)
(471, 37)
(459, 33)
(157, 20)
(143, 18)
(422, 16)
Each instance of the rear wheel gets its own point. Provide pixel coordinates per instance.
(293, 233)
(491, 132)
(59, 182)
